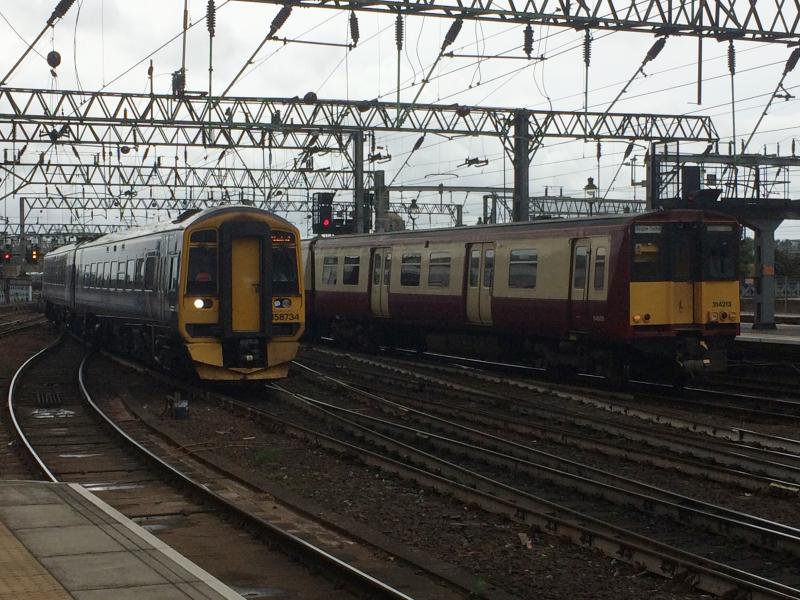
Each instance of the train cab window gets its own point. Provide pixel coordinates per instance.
(488, 268)
(720, 252)
(330, 267)
(439, 270)
(474, 267)
(201, 278)
(284, 263)
(649, 260)
(579, 268)
(410, 268)
(522, 269)
(351, 269)
(600, 268)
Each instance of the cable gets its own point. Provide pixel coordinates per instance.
(20, 36)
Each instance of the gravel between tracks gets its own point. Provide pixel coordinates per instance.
(496, 550)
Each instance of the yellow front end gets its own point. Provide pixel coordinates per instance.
(677, 303)
(232, 313)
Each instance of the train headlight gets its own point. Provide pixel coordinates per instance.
(713, 317)
(276, 303)
(203, 303)
(282, 303)
(637, 318)
(646, 316)
(732, 316)
(723, 316)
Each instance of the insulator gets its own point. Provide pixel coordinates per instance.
(527, 40)
(280, 19)
(655, 50)
(792, 62)
(452, 33)
(587, 48)
(53, 59)
(211, 18)
(418, 143)
(354, 33)
(731, 58)
(60, 10)
(398, 32)
(599, 150)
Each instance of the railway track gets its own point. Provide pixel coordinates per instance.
(21, 322)
(68, 437)
(399, 454)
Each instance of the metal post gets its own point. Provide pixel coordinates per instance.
(358, 181)
(764, 299)
(520, 209)
(381, 200)
(459, 215)
(21, 250)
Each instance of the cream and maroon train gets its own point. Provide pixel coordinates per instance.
(215, 291)
(657, 290)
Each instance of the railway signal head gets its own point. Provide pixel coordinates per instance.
(322, 213)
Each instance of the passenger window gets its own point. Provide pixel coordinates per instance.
(106, 283)
(139, 273)
(351, 269)
(376, 269)
(330, 264)
(439, 270)
(174, 265)
(409, 269)
(488, 268)
(579, 273)
(150, 274)
(121, 266)
(522, 269)
(130, 274)
(474, 267)
(600, 269)
(387, 269)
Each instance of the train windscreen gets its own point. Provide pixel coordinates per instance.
(202, 276)
(284, 263)
(720, 252)
(649, 254)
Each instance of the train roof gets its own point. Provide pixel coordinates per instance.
(182, 222)
(618, 220)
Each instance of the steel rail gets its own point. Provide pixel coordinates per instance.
(738, 457)
(614, 488)
(585, 530)
(364, 581)
(611, 402)
(20, 433)
(563, 436)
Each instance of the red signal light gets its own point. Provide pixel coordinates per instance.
(326, 223)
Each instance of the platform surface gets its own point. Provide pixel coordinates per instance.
(783, 334)
(60, 542)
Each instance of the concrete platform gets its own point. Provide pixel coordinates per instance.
(783, 335)
(60, 542)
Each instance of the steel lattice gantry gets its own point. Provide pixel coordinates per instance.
(127, 180)
(756, 20)
(30, 116)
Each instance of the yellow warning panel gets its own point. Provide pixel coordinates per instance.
(22, 576)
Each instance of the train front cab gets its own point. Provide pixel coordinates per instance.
(241, 309)
(684, 291)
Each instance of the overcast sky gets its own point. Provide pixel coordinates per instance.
(100, 39)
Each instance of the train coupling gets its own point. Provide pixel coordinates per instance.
(698, 356)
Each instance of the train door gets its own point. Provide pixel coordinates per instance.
(381, 277)
(480, 280)
(580, 313)
(246, 284)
